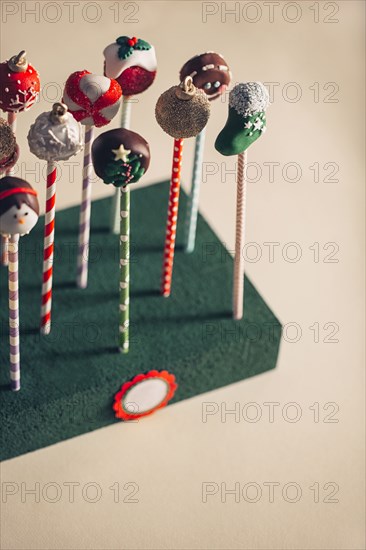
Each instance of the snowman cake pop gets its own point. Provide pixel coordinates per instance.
(132, 62)
(9, 150)
(19, 84)
(19, 211)
(209, 72)
(19, 208)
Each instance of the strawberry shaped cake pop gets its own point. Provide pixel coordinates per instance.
(132, 62)
(19, 84)
(92, 99)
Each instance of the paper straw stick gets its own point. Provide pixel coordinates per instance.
(172, 219)
(116, 203)
(12, 121)
(124, 285)
(14, 313)
(85, 211)
(193, 199)
(238, 286)
(48, 248)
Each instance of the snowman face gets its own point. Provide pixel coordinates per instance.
(18, 220)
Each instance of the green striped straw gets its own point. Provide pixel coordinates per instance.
(193, 198)
(116, 206)
(124, 284)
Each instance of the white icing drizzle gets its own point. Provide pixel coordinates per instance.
(114, 66)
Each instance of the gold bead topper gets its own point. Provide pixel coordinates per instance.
(186, 90)
(18, 63)
(58, 113)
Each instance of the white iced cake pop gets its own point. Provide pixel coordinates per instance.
(55, 135)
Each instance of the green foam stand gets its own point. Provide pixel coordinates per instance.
(69, 378)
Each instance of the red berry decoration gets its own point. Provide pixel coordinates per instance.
(132, 62)
(19, 84)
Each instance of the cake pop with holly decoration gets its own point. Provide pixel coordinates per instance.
(209, 72)
(132, 62)
(19, 84)
(9, 150)
(120, 157)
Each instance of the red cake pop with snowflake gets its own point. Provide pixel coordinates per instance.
(132, 62)
(19, 84)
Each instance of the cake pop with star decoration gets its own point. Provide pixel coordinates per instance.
(19, 84)
(132, 62)
(121, 157)
(209, 72)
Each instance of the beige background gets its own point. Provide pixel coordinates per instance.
(172, 453)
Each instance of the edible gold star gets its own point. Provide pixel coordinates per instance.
(121, 153)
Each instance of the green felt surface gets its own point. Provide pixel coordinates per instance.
(69, 378)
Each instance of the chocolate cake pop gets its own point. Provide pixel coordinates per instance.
(246, 121)
(55, 135)
(120, 157)
(92, 99)
(132, 62)
(209, 72)
(19, 208)
(9, 150)
(183, 111)
(19, 84)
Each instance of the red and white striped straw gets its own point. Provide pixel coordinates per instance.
(48, 249)
(238, 282)
(172, 219)
(85, 211)
(4, 260)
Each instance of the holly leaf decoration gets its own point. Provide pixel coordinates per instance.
(120, 173)
(142, 45)
(126, 48)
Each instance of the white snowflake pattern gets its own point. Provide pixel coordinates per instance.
(23, 100)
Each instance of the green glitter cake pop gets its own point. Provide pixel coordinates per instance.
(246, 121)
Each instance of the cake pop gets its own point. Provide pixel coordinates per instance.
(19, 89)
(132, 62)
(20, 84)
(121, 157)
(19, 211)
(93, 100)
(9, 150)
(182, 112)
(210, 73)
(246, 123)
(54, 136)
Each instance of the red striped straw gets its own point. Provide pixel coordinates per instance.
(48, 249)
(172, 219)
(14, 313)
(12, 121)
